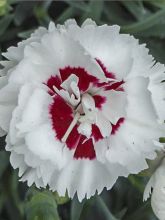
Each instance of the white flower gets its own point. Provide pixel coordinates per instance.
(81, 107)
(157, 183)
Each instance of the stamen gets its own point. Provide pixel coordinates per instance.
(56, 90)
(73, 123)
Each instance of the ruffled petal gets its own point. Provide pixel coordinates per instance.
(139, 102)
(114, 105)
(135, 139)
(94, 176)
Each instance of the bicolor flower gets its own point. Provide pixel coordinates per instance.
(157, 183)
(81, 106)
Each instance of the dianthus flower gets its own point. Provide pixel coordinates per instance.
(81, 106)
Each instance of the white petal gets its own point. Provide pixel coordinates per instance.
(5, 116)
(35, 112)
(133, 142)
(23, 97)
(104, 43)
(139, 102)
(63, 45)
(104, 125)
(9, 94)
(43, 143)
(51, 27)
(2, 132)
(158, 194)
(41, 61)
(17, 161)
(148, 188)
(93, 176)
(31, 177)
(101, 148)
(16, 53)
(114, 106)
(87, 22)
(47, 169)
(142, 61)
(7, 66)
(157, 89)
(3, 81)
(85, 128)
(133, 60)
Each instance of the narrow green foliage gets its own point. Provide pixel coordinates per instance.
(106, 213)
(4, 161)
(137, 9)
(76, 209)
(94, 11)
(5, 22)
(149, 22)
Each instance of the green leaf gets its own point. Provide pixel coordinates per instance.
(5, 22)
(42, 15)
(68, 13)
(159, 31)
(94, 11)
(137, 182)
(41, 206)
(13, 1)
(152, 166)
(137, 9)
(113, 11)
(140, 212)
(4, 161)
(76, 208)
(157, 48)
(149, 22)
(78, 5)
(22, 12)
(122, 213)
(3, 197)
(10, 34)
(157, 3)
(106, 214)
(14, 194)
(46, 4)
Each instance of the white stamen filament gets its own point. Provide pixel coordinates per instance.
(56, 90)
(71, 126)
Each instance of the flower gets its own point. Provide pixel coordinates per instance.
(157, 183)
(81, 106)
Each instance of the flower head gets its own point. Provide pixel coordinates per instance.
(81, 107)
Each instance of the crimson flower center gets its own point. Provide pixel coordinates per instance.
(76, 110)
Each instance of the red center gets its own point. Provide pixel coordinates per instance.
(62, 114)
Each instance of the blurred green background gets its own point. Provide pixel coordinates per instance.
(146, 21)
